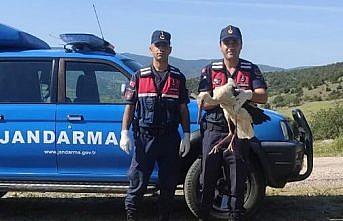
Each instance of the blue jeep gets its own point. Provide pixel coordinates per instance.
(60, 121)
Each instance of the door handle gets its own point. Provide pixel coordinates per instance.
(2, 117)
(75, 117)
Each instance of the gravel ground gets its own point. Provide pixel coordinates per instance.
(320, 197)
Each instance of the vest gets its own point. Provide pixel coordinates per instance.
(242, 78)
(158, 108)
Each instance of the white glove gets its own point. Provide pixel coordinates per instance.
(185, 144)
(125, 141)
(241, 98)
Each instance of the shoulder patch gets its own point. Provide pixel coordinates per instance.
(175, 72)
(245, 64)
(218, 65)
(173, 68)
(145, 71)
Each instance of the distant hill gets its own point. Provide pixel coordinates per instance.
(298, 86)
(298, 78)
(191, 68)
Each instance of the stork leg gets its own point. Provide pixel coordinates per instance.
(233, 131)
(221, 144)
(230, 147)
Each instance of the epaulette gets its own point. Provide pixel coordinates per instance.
(246, 65)
(145, 71)
(218, 65)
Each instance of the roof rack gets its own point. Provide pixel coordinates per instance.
(86, 43)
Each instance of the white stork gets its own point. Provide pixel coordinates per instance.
(241, 118)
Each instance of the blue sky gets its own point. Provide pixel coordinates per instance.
(296, 33)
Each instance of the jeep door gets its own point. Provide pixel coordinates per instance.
(27, 119)
(89, 117)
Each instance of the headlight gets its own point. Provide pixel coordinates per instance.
(284, 129)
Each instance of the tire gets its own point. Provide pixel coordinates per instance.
(254, 193)
(192, 187)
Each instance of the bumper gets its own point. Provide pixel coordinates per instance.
(286, 159)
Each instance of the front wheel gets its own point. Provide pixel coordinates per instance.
(254, 191)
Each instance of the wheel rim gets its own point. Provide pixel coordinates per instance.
(222, 195)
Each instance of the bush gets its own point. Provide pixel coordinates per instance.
(279, 101)
(338, 145)
(327, 124)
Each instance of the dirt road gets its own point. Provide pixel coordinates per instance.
(319, 198)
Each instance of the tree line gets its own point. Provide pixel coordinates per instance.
(287, 87)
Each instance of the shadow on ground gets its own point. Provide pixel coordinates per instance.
(283, 208)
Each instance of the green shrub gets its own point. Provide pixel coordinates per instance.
(279, 101)
(338, 145)
(327, 124)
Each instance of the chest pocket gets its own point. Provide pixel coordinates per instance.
(243, 80)
(149, 109)
(172, 111)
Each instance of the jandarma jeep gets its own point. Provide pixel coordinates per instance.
(60, 120)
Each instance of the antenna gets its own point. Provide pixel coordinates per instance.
(97, 18)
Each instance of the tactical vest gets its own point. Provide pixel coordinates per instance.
(243, 80)
(158, 108)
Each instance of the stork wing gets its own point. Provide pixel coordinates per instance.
(257, 114)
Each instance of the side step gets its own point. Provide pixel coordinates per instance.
(76, 187)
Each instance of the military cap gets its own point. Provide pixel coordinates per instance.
(160, 36)
(230, 32)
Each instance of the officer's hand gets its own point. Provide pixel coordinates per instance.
(185, 144)
(241, 98)
(125, 142)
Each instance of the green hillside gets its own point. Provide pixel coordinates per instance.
(296, 87)
(190, 68)
(299, 86)
(310, 108)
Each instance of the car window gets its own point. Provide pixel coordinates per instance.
(88, 82)
(25, 81)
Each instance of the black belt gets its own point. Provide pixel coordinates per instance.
(157, 131)
(210, 126)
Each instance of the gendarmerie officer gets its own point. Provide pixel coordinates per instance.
(158, 96)
(252, 87)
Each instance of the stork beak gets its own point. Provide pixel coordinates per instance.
(234, 92)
